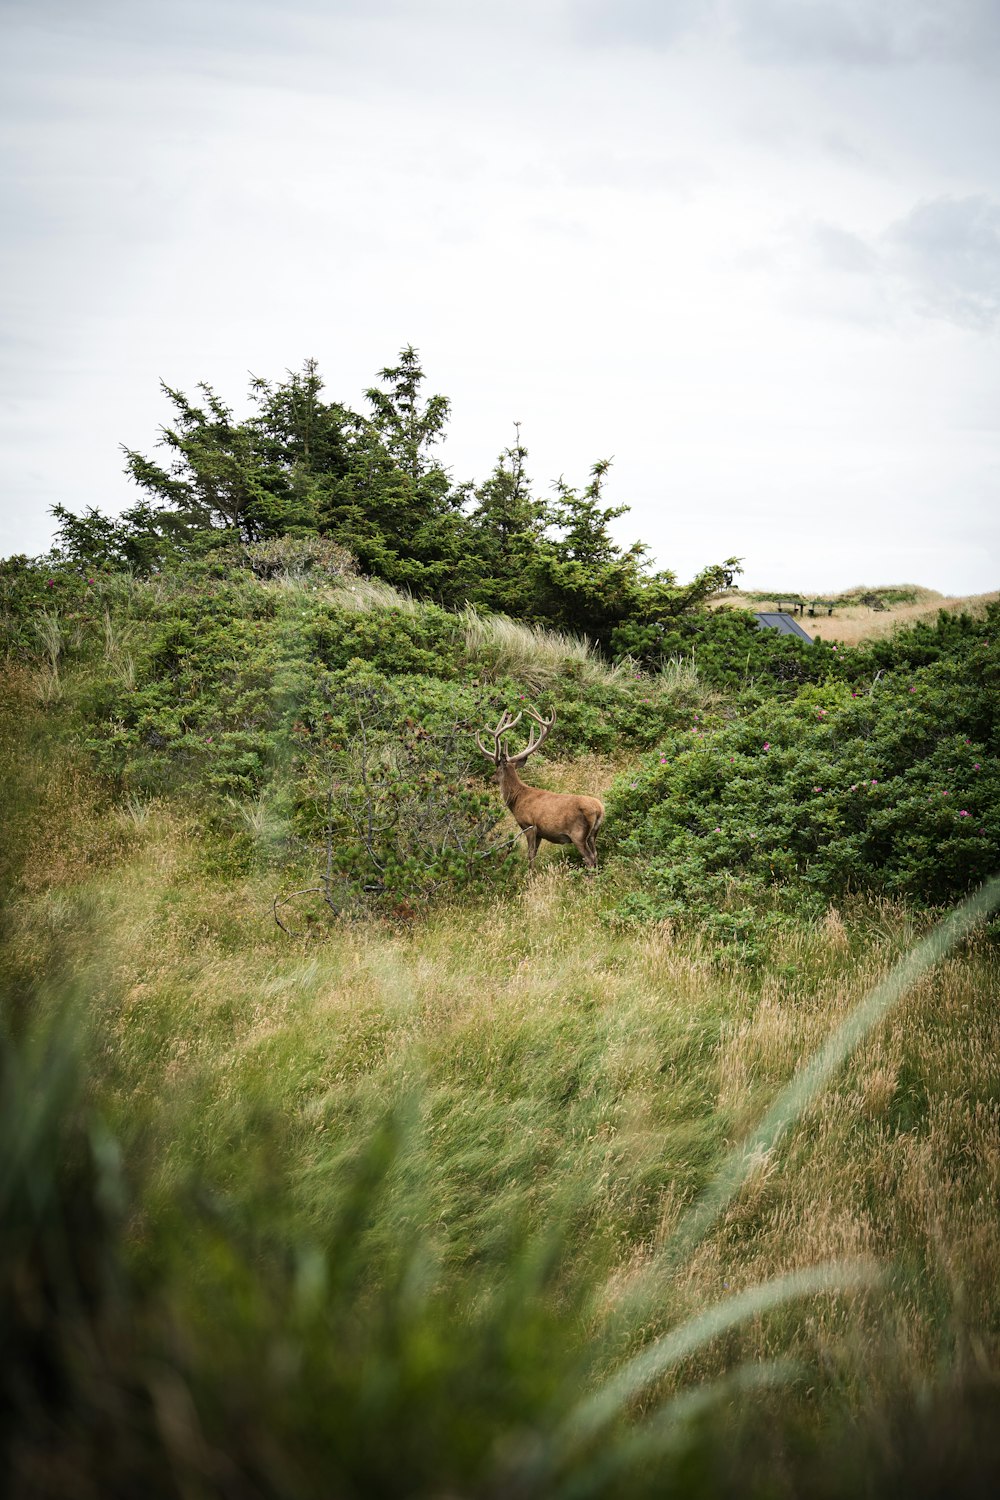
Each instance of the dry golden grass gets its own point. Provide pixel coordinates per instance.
(852, 623)
(856, 623)
(898, 1162)
(495, 1013)
(590, 773)
(501, 647)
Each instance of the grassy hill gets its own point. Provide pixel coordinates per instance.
(854, 620)
(397, 1201)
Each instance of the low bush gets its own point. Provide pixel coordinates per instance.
(215, 685)
(893, 790)
(729, 649)
(291, 558)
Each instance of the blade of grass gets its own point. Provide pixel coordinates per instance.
(668, 1426)
(813, 1077)
(600, 1408)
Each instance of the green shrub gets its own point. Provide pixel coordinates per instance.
(729, 649)
(395, 642)
(894, 790)
(209, 680)
(241, 697)
(389, 800)
(919, 644)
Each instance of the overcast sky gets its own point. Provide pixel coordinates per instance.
(748, 248)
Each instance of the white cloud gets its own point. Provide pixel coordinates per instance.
(731, 276)
(941, 259)
(948, 252)
(841, 33)
(868, 33)
(843, 251)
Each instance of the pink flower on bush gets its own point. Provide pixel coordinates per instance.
(963, 813)
(976, 766)
(767, 744)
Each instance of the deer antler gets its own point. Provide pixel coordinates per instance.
(506, 724)
(533, 743)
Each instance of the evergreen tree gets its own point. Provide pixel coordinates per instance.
(140, 540)
(407, 427)
(397, 508)
(507, 526)
(299, 465)
(223, 474)
(583, 580)
(309, 440)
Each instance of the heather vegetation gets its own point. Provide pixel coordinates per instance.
(455, 1179)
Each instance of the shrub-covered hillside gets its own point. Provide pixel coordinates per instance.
(279, 690)
(322, 720)
(884, 778)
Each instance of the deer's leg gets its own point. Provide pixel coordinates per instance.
(531, 839)
(583, 843)
(586, 842)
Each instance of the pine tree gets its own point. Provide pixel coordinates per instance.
(507, 526)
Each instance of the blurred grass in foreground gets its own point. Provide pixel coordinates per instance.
(401, 1212)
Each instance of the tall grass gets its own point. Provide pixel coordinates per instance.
(47, 679)
(426, 1183)
(457, 1209)
(540, 657)
(363, 594)
(502, 647)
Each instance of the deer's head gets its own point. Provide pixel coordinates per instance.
(498, 752)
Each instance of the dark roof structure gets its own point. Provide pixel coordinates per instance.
(783, 624)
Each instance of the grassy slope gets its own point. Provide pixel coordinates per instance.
(552, 1052)
(557, 1068)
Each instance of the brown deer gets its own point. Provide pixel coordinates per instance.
(557, 816)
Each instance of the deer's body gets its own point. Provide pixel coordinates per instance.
(559, 817)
